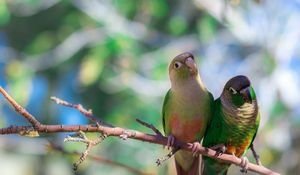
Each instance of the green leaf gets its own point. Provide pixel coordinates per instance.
(42, 43)
(207, 27)
(177, 25)
(4, 13)
(89, 70)
(19, 78)
(158, 8)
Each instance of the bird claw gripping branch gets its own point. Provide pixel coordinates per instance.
(220, 149)
(244, 164)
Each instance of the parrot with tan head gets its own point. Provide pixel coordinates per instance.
(186, 111)
(233, 126)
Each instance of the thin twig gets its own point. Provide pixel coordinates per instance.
(31, 119)
(255, 155)
(90, 143)
(157, 132)
(117, 131)
(161, 160)
(80, 108)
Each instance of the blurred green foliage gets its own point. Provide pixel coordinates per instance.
(112, 57)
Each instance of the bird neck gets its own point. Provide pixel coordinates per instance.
(188, 89)
(246, 113)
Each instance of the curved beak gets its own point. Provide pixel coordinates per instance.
(246, 95)
(191, 65)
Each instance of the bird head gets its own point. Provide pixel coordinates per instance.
(183, 67)
(239, 91)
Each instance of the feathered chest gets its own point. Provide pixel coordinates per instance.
(240, 126)
(186, 118)
(244, 115)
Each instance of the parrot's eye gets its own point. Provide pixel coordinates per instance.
(233, 91)
(177, 65)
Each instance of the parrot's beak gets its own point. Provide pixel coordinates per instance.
(246, 95)
(191, 65)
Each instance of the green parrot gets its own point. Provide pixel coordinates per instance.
(233, 126)
(186, 111)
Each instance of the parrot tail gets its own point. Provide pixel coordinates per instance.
(210, 166)
(194, 170)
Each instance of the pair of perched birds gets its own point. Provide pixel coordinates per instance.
(190, 113)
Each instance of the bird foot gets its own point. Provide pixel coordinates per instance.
(171, 141)
(219, 148)
(244, 164)
(195, 148)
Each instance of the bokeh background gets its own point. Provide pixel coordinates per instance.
(112, 57)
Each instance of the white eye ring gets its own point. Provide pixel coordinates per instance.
(233, 91)
(177, 65)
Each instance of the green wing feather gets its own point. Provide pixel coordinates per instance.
(257, 126)
(212, 135)
(167, 97)
(212, 106)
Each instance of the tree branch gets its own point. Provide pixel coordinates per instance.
(120, 132)
(80, 108)
(255, 155)
(31, 119)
